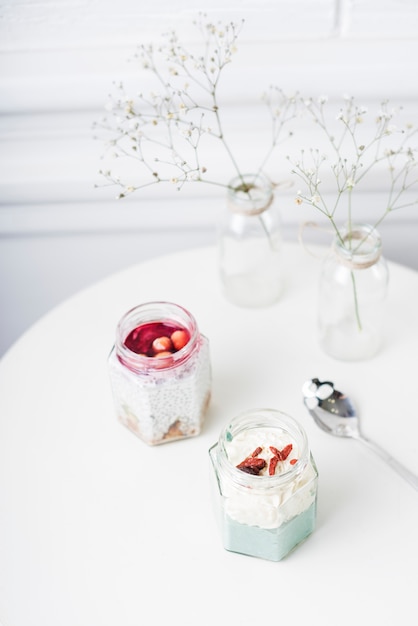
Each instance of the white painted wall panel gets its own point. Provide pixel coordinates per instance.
(381, 19)
(58, 59)
(70, 24)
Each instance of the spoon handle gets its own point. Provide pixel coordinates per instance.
(394, 464)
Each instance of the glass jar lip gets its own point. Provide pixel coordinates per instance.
(250, 193)
(364, 244)
(155, 311)
(263, 417)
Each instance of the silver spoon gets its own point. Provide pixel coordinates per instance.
(334, 413)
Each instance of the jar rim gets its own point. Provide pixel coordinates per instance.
(155, 311)
(250, 194)
(259, 418)
(359, 245)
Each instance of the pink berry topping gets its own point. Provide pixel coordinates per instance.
(157, 339)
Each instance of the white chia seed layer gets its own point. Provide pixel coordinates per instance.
(166, 404)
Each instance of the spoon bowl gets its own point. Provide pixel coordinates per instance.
(334, 412)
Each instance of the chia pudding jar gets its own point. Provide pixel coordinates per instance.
(265, 484)
(160, 373)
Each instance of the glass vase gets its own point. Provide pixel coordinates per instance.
(352, 290)
(250, 243)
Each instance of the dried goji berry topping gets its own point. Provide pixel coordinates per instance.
(282, 454)
(286, 451)
(250, 470)
(272, 465)
(253, 464)
(276, 452)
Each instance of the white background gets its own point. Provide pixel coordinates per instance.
(58, 59)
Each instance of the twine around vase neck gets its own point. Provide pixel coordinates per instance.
(354, 262)
(354, 258)
(247, 210)
(250, 194)
(344, 256)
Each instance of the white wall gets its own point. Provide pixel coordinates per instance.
(58, 233)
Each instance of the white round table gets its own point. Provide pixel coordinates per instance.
(99, 529)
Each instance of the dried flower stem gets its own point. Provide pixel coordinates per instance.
(356, 154)
(167, 131)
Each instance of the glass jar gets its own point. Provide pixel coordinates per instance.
(352, 290)
(160, 372)
(250, 244)
(265, 507)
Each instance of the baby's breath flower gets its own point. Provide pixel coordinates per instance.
(357, 150)
(166, 126)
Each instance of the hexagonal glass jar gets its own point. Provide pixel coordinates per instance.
(161, 392)
(261, 514)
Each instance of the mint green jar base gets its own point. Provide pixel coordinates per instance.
(272, 544)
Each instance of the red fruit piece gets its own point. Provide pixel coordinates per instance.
(250, 470)
(162, 344)
(253, 462)
(282, 454)
(252, 465)
(179, 339)
(286, 451)
(272, 465)
(276, 452)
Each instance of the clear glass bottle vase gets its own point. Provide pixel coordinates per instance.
(352, 290)
(250, 243)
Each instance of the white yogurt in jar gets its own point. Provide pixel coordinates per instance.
(276, 505)
(266, 484)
